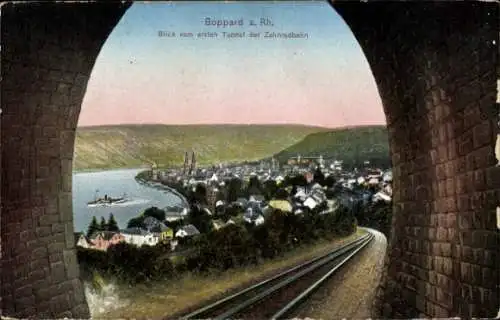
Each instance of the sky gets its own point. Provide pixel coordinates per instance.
(141, 77)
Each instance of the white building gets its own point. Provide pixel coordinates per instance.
(214, 178)
(140, 237)
(387, 176)
(175, 213)
(310, 203)
(388, 189)
(301, 194)
(185, 231)
(83, 242)
(381, 196)
(258, 220)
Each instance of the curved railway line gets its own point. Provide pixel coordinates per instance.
(277, 297)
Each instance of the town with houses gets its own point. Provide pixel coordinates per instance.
(366, 185)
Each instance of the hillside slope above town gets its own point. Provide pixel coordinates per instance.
(128, 146)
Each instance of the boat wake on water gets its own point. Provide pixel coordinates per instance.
(126, 203)
(122, 201)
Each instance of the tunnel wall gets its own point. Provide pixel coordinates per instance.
(435, 65)
(435, 68)
(48, 51)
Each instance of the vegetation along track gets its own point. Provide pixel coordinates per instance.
(279, 295)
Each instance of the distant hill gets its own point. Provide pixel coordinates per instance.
(353, 145)
(128, 146)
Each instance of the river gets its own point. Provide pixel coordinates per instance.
(114, 183)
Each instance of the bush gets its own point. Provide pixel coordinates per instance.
(269, 189)
(126, 263)
(230, 247)
(155, 212)
(174, 225)
(137, 222)
(266, 242)
(91, 261)
(200, 219)
(278, 234)
(344, 222)
(377, 216)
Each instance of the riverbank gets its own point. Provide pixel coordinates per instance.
(93, 170)
(141, 179)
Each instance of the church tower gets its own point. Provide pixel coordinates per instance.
(186, 163)
(154, 171)
(193, 164)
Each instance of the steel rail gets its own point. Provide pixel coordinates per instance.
(290, 279)
(326, 257)
(306, 293)
(254, 300)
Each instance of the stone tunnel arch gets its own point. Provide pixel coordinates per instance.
(435, 65)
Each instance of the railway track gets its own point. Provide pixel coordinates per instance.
(278, 296)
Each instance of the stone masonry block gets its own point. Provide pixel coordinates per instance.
(69, 235)
(492, 178)
(25, 305)
(57, 271)
(39, 253)
(472, 117)
(38, 264)
(482, 134)
(65, 206)
(80, 311)
(52, 239)
(71, 263)
(55, 257)
(56, 247)
(45, 222)
(444, 298)
(58, 228)
(60, 304)
(484, 156)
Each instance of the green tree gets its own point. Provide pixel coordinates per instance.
(200, 219)
(93, 227)
(174, 225)
(254, 186)
(137, 222)
(359, 212)
(319, 177)
(233, 189)
(270, 187)
(103, 226)
(295, 180)
(155, 213)
(345, 221)
(379, 216)
(221, 194)
(383, 217)
(232, 210)
(112, 224)
(281, 194)
(200, 194)
(329, 181)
